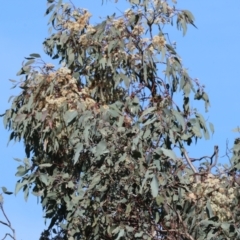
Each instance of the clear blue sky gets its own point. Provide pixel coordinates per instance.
(211, 53)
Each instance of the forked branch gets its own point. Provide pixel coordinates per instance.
(7, 223)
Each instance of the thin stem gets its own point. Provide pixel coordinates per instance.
(8, 234)
(8, 224)
(191, 165)
(216, 150)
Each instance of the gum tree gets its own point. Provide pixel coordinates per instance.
(105, 136)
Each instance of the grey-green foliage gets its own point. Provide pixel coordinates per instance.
(104, 132)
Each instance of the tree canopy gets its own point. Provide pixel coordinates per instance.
(105, 138)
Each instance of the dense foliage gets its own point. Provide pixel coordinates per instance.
(105, 138)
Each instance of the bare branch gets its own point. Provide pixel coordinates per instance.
(8, 234)
(228, 151)
(191, 166)
(189, 162)
(3, 223)
(216, 150)
(8, 224)
(199, 159)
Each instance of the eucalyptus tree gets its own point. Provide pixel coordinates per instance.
(105, 136)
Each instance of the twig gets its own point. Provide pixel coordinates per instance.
(8, 234)
(8, 224)
(216, 150)
(191, 166)
(3, 223)
(185, 228)
(199, 159)
(183, 224)
(227, 150)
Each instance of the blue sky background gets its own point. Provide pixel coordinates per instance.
(211, 53)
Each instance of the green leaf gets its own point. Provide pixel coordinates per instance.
(29, 58)
(21, 171)
(147, 111)
(30, 102)
(206, 134)
(26, 193)
(80, 60)
(189, 14)
(69, 116)
(206, 99)
(50, 8)
(201, 120)
(146, 134)
(171, 49)
(209, 209)
(149, 121)
(43, 178)
(121, 234)
(101, 148)
(71, 58)
(20, 185)
(159, 200)
(79, 148)
(116, 230)
(175, 198)
(29, 62)
(17, 159)
(211, 126)
(110, 45)
(163, 53)
(128, 209)
(179, 118)
(20, 117)
(139, 234)
(129, 228)
(4, 189)
(154, 186)
(184, 26)
(196, 130)
(102, 62)
(157, 217)
(169, 153)
(35, 55)
(20, 72)
(225, 226)
(125, 79)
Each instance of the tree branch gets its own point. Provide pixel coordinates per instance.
(8, 234)
(8, 224)
(191, 166)
(216, 150)
(3, 223)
